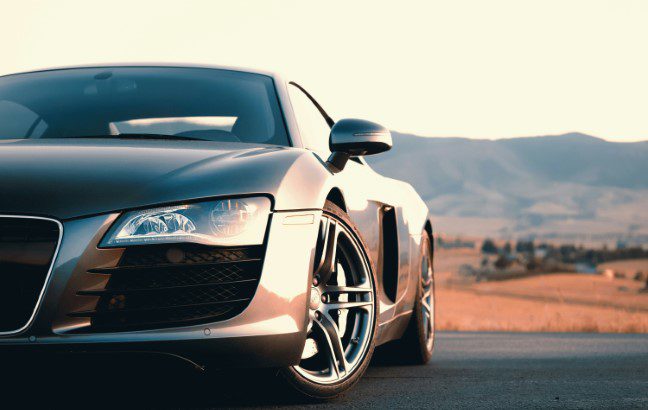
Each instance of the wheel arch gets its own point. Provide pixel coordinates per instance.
(428, 228)
(335, 195)
(430, 232)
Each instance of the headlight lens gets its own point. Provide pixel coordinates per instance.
(226, 222)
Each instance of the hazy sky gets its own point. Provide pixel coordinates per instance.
(482, 69)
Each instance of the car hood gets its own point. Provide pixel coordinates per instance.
(68, 178)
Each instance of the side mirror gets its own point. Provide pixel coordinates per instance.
(353, 138)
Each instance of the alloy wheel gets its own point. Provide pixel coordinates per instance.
(427, 297)
(341, 307)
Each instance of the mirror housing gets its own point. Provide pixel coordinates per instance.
(353, 138)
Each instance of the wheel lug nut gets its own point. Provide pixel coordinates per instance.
(324, 298)
(315, 281)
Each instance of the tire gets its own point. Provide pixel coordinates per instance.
(322, 376)
(417, 344)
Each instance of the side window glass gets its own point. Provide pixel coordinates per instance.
(312, 125)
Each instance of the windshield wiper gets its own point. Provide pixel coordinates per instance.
(141, 137)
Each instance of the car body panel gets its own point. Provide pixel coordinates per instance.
(72, 178)
(278, 308)
(87, 183)
(365, 192)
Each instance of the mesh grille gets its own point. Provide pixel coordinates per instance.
(174, 297)
(163, 318)
(171, 285)
(159, 255)
(183, 275)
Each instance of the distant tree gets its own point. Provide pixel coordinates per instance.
(567, 253)
(507, 248)
(489, 247)
(519, 246)
(525, 247)
(502, 262)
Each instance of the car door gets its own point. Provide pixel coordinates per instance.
(374, 204)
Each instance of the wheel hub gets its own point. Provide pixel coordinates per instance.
(315, 298)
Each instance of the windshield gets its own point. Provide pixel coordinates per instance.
(191, 103)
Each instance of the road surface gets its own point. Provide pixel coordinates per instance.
(468, 370)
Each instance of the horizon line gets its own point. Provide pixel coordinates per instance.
(564, 134)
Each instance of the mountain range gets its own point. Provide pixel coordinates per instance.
(570, 186)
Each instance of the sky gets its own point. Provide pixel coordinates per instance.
(477, 69)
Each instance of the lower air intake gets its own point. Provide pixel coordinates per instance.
(159, 286)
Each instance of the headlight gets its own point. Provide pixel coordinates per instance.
(239, 221)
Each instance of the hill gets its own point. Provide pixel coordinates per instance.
(571, 186)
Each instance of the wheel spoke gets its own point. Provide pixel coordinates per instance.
(334, 347)
(426, 308)
(427, 293)
(427, 311)
(349, 305)
(327, 264)
(346, 289)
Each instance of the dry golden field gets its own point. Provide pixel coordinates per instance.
(563, 302)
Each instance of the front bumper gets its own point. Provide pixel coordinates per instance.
(270, 332)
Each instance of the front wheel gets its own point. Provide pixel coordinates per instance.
(342, 310)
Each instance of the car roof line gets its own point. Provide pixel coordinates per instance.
(268, 73)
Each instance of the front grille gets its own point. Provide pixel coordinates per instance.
(27, 248)
(159, 286)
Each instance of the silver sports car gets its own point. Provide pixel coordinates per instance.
(212, 214)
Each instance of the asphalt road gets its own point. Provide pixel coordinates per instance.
(468, 370)
(513, 370)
